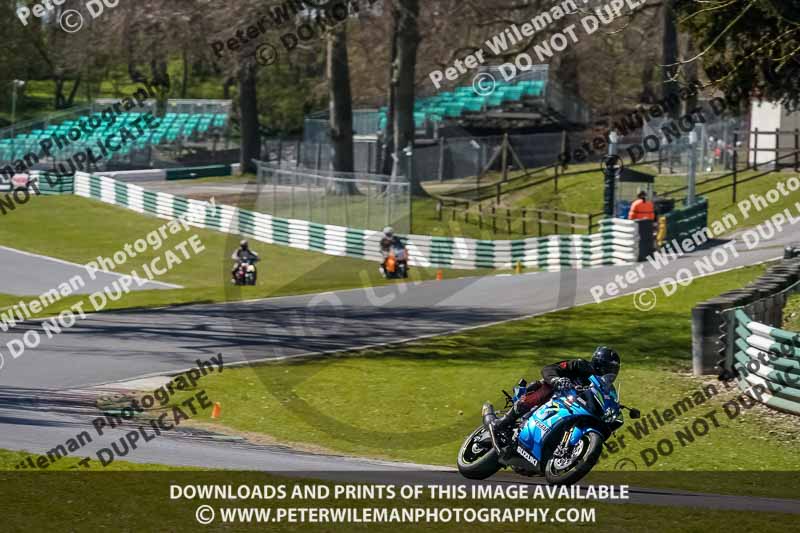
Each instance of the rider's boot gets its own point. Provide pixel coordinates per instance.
(500, 428)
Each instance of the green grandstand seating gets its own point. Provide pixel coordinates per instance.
(173, 126)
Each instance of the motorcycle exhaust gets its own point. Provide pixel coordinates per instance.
(488, 414)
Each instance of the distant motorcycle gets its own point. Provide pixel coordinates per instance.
(396, 263)
(562, 439)
(245, 273)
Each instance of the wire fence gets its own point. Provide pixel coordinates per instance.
(355, 200)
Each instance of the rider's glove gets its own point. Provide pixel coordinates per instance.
(562, 383)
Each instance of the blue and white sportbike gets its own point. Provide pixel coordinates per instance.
(561, 439)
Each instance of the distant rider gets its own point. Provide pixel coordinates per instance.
(243, 255)
(389, 241)
(558, 376)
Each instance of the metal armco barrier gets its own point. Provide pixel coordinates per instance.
(738, 335)
(617, 242)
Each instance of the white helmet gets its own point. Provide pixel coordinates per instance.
(388, 231)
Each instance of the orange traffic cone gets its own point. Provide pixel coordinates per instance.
(439, 275)
(216, 411)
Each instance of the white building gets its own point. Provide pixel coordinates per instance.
(773, 122)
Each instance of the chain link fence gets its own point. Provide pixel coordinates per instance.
(355, 200)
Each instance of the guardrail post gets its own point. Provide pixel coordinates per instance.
(572, 224)
(524, 222)
(494, 219)
(508, 220)
(539, 213)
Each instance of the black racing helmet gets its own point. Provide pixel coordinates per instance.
(605, 361)
(244, 245)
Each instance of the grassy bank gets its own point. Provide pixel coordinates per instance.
(418, 401)
(79, 230)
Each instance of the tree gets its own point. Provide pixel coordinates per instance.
(747, 47)
(403, 80)
(341, 105)
(248, 117)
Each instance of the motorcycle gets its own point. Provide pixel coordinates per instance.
(245, 273)
(561, 440)
(396, 263)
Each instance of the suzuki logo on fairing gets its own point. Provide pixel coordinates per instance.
(527, 456)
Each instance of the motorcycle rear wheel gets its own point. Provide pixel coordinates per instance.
(475, 462)
(591, 446)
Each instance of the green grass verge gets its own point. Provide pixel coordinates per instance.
(79, 230)
(417, 402)
(791, 313)
(583, 193)
(9, 460)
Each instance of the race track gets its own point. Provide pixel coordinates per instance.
(118, 346)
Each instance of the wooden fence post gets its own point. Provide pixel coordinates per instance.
(735, 161)
(494, 219)
(504, 157)
(555, 179)
(755, 149)
(796, 150)
(524, 222)
(539, 212)
(777, 146)
(441, 159)
(508, 220)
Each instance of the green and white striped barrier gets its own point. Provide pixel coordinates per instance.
(617, 242)
(767, 361)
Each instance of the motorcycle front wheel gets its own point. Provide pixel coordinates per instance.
(477, 458)
(570, 470)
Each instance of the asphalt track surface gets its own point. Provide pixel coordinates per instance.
(118, 346)
(24, 274)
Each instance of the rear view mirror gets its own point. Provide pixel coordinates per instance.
(635, 413)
